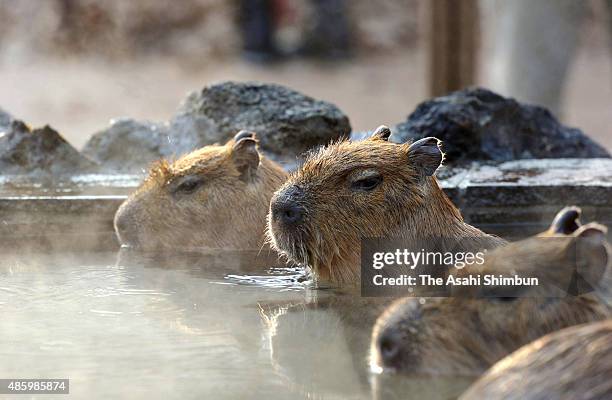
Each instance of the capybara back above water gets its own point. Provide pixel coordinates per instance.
(574, 363)
(465, 334)
(349, 191)
(215, 197)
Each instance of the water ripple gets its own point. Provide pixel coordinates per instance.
(277, 278)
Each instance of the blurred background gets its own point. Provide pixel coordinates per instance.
(76, 64)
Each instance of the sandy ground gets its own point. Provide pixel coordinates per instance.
(79, 97)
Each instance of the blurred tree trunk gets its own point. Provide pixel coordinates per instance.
(453, 39)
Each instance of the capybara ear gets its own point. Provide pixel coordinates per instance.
(592, 253)
(426, 155)
(245, 155)
(567, 221)
(244, 134)
(381, 133)
(592, 229)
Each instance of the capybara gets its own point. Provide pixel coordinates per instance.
(464, 335)
(573, 363)
(349, 191)
(215, 197)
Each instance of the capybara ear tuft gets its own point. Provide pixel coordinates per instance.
(426, 155)
(244, 134)
(381, 133)
(567, 221)
(246, 157)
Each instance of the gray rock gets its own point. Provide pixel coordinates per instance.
(477, 124)
(5, 120)
(286, 122)
(39, 153)
(129, 145)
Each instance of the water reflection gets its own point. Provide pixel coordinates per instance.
(215, 324)
(320, 345)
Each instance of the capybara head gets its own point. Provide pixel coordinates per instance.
(348, 191)
(574, 363)
(464, 335)
(214, 197)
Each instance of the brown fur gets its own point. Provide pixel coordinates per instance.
(407, 204)
(464, 336)
(227, 210)
(574, 363)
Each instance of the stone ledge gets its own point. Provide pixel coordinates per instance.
(524, 195)
(513, 199)
(70, 214)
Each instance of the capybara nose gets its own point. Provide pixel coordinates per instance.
(389, 346)
(121, 222)
(286, 208)
(289, 214)
(124, 226)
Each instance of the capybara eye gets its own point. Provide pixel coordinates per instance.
(188, 186)
(505, 299)
(367, 184)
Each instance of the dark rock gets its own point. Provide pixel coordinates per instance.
(286, 122)
(129, 145)
(477, 124)
(40, 152)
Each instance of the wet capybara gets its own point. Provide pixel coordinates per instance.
(573, 363)
(349, 191)
(464, 335)
(215, 197)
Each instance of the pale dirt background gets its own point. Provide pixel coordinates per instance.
(79, 92)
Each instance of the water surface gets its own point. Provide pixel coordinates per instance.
(128, 325)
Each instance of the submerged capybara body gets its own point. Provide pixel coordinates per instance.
(349, 191)
(214, 197)
(574, 363)
(464, 335)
